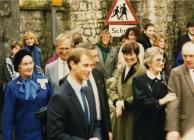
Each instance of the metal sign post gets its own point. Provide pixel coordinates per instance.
(53, 17)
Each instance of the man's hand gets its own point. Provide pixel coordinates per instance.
(173, 135)
(169, 97)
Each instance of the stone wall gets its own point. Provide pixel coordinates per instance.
(87, 17)
(9, 27)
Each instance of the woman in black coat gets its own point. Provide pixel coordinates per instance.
(150, 96)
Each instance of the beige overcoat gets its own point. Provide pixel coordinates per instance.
(122, 126)
(180, 113)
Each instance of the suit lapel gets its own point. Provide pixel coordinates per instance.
(75, 101)
(55, 75)
(188, 79)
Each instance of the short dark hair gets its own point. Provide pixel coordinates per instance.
(123, 36)
(148, 25)
(135, 30)
(76, 54)
(130, 47)
(76, 38)
(190, 24)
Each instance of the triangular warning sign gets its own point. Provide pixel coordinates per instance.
(121, 12)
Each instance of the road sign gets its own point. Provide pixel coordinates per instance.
(118, 30)
(121, 13)
(57, 2)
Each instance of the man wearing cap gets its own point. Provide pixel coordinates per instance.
(189, 36)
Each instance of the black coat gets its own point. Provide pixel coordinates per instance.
(148, 114)
(66, 120)
(105, 112)
(183, 39)
(145, 41)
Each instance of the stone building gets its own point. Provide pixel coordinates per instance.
(87, 17)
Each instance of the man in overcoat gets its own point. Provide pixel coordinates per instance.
(180, 113)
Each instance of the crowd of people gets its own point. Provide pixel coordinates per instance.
(100, 91)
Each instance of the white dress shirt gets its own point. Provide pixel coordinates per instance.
(191, 71)
(63, 68)
(127, 68)
(96, 96)
(77, 89)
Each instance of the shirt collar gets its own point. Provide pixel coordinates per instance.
(127, 67)
(190, 36)
(60, 60)
(191, 70)
(152, 76)
(74, 84)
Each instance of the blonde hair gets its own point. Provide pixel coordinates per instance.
(63, 38)
(157, 40)
(29, 34)
(103, 33)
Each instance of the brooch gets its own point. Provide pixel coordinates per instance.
(42, 83)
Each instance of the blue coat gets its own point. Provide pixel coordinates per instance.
(19, 114)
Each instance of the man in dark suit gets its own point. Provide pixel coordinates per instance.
(97, 83)
(183, 39)
(71, 112)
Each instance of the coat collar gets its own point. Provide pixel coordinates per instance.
(188, 78)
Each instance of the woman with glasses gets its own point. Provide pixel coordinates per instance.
(150, 97)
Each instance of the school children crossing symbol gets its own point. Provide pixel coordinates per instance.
(121, 12)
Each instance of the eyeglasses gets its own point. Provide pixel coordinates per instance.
(160, 60)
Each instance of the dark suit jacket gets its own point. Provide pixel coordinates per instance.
(105, 113)
(180, 43)
(66, 118)
(178, 54)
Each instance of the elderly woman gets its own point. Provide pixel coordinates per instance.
(25, 97)
(121, 92)
(150, 96)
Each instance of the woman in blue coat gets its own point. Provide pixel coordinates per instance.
(24, 96)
